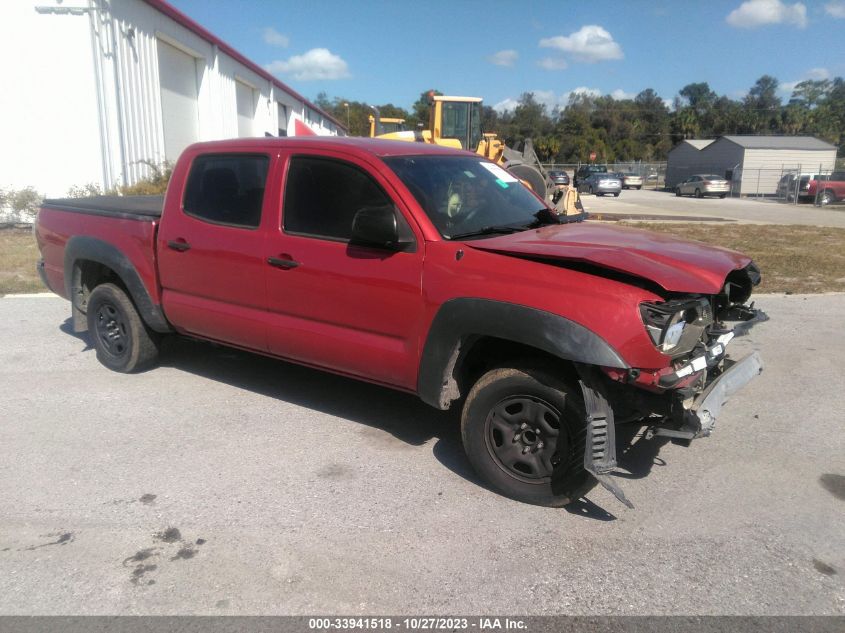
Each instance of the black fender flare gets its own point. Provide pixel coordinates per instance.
(461, 320)
(83, 247)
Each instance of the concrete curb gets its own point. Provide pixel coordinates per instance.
(35, 295)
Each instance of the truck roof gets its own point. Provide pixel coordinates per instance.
(373, 146)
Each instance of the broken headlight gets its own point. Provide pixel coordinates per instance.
(676, 326)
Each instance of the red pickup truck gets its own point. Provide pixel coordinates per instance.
(823, 190)
(423, 269)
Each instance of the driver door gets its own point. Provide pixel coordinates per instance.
(344, 307)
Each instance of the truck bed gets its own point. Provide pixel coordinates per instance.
(124, 207)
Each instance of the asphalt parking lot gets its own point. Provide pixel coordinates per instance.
(657, 205)
(227, 483)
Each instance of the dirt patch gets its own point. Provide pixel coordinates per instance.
(834, 484)
(170, 535)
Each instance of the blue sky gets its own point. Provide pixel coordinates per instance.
(381, 52)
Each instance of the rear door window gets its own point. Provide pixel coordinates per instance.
(227, 189)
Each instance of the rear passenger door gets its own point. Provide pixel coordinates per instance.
(210, 249)
(349, 308)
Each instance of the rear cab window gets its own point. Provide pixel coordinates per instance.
(227, 189)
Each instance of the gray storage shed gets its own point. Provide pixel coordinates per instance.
(754, 164)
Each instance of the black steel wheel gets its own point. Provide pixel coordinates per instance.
(524, 438)
(122, 341)
(523, 431)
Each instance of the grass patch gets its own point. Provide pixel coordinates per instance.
(793, 259)
(18, 256)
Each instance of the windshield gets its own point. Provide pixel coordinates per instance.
(463, 194)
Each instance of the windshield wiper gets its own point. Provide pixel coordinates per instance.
(500, 229)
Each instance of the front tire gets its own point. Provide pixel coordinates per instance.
(826, 198)
(524, 431)
(698, 193)
(123, 342)
(678, 192)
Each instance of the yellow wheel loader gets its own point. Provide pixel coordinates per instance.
(456, 122)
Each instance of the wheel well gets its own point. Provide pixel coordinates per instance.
(87, 275)
(481, 353)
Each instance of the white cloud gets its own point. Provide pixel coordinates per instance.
(504, 58)
(316, 64)
(552, 63)
(553, 100)
(835, 9)
(818, 73)
(786, 87)
(620, 94)
(507, 105)
(754, 13)
(274, 38)
(590, 44)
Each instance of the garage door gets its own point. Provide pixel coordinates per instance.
(177, 73)
(246, 108)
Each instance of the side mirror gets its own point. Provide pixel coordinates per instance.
(376, 227)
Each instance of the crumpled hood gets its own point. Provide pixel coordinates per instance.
(676, 264)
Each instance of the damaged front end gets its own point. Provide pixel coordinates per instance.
(681, 401)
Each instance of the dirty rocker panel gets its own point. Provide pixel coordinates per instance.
(460, 319)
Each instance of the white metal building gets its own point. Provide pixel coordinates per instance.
(754, 164)
(96, 90)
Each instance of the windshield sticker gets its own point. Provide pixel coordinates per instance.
(499, 173)
(469, 174)
(502, 183)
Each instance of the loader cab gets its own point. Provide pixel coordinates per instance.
(456, 121)
(385, 125)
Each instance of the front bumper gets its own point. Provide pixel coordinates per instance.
(700, 418)
(708, 404)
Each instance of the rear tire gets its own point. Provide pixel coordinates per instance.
(722, 196)
(123, 342)
(615, 195)
(524, 431)
(639, 187)
(678, 192)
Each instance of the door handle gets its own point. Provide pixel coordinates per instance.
(178, 245)
(278, 262)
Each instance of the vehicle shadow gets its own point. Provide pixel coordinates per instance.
(67, 328)
(402, 415)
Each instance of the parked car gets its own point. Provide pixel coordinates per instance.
(599, 183)
(631, 180)
(422, 269)
(584, 172)
(702, 185)
(558, 177)
(823, 190)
